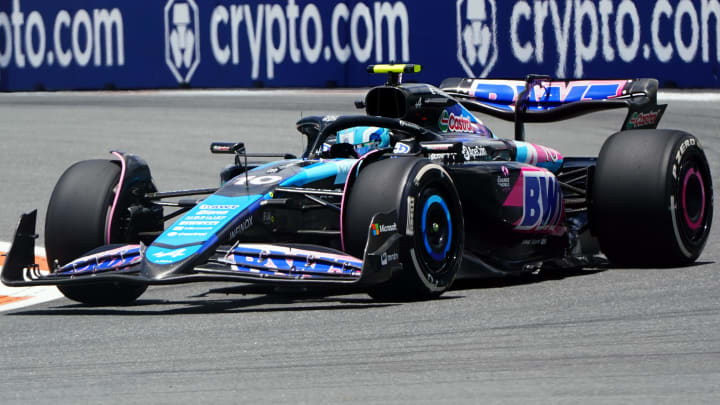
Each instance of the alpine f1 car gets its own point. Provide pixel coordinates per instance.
(397, 201)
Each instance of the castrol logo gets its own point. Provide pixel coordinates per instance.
(454, 123)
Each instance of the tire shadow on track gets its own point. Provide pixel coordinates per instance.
(189, 308)
(279, 301)
(523, 279)
(262, 298)
(555, 275)
(265, 298)
(695, 265)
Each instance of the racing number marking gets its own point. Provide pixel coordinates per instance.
(257, 180)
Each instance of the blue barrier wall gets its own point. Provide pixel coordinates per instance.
(84, 44)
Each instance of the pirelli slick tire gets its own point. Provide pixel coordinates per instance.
(77, 222)
(428, 214)
(652, 199)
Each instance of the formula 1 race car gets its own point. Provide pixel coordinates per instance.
(397, 201)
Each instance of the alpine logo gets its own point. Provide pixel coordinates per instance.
(401, 148)
(477, 36)
(454, 123)
(182, 38)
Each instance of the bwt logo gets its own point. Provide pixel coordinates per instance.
(477, 36)
(182, 38)
(542, 201)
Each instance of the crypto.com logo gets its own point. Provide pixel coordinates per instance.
(477, 36)
(182, 38)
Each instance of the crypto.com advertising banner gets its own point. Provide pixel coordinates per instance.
(84, 44)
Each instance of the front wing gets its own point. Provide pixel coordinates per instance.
(248, 262)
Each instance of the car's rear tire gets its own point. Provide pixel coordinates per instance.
(431, 253)
(76, 223)
(652, 198)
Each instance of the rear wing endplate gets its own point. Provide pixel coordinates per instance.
(540, 99)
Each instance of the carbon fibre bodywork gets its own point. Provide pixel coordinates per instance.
(524, 206)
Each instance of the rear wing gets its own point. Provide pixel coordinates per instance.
(540, 99)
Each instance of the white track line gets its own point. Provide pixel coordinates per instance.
(689, 95)
(37, 295)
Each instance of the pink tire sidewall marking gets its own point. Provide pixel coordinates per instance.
(693, 225)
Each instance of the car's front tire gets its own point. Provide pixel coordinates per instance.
(77, 222)
(425, 199)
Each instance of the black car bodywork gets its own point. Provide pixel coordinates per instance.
(405, 195)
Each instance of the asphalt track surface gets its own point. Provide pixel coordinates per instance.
(609, 336)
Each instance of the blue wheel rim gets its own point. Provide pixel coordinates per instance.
(436, 200)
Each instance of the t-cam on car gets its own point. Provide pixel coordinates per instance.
(397, 201)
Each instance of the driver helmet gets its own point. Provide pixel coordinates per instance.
(364, 139)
